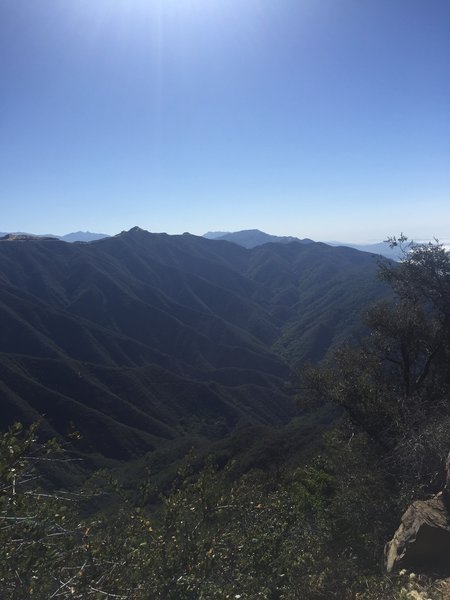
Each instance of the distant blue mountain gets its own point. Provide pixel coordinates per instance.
(250, 238)
(381, 248)
(82, 236)
(214, 235)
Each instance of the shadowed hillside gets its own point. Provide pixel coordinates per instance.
(146, 337)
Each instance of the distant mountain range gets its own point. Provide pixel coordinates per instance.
(77, 236)
(140, 339)
(250, 238)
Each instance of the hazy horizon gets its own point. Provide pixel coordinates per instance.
(352, 241)
(310, 119)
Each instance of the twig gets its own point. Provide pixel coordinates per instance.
(107, 593)
(66, 583)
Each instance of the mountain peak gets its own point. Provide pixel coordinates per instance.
(133, 231)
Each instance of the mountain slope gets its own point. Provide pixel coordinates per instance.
(142, 338)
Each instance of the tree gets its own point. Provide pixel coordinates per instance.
(422, 286)
(36, 530)
(395, 385)
(49, 548)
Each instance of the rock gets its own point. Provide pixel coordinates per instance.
(422, 542)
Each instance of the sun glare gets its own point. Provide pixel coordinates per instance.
(109, 16)
(167, 8)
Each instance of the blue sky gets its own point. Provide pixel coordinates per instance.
(327, 119)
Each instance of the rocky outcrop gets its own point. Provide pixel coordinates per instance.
(422, 542)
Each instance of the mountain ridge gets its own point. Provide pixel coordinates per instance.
(250, 238)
